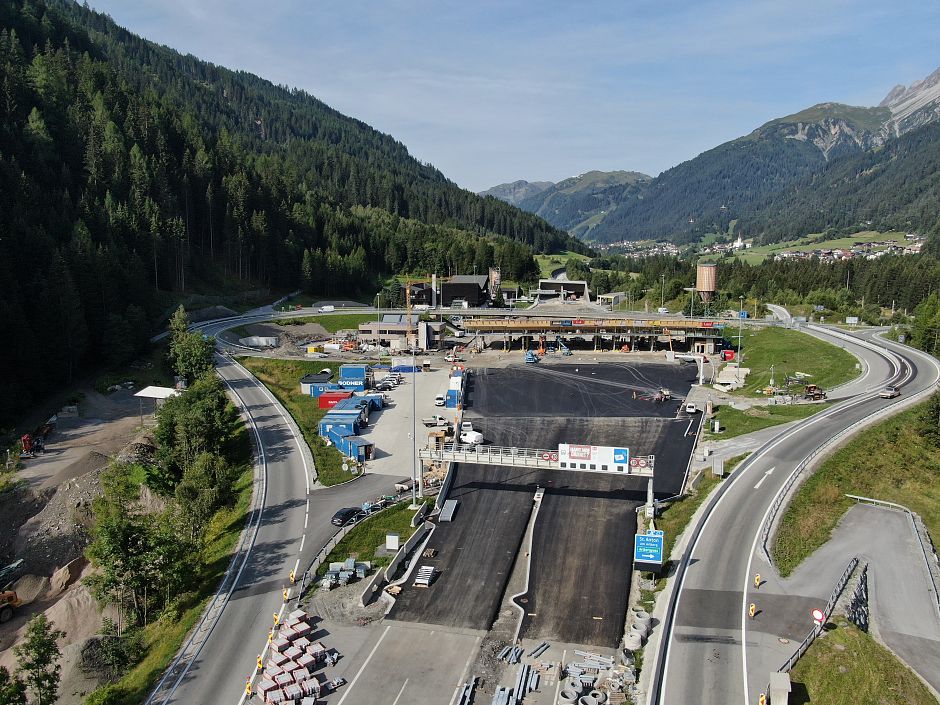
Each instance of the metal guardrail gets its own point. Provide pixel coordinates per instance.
(781, 498)
(920, 540)
(811, 637)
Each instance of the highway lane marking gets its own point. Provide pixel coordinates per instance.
(296, 566)
(910, 374)
(764, 477)
(466, 670)
(773, 443)
(302, 539)
(395, 701)
(306, 519)
(363, 667)
(264, 651)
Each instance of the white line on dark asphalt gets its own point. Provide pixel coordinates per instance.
(764, 477)
(302, 539)
(395, 701)
(363, 667)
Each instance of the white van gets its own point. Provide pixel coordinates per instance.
(440, 400)
(662, 309)
(326, 309)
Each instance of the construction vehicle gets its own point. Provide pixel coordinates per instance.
(814, 393)
(8, 603)
(530, 357)
(564, 348)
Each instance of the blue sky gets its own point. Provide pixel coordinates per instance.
(496, 91)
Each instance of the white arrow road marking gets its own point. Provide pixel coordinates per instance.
(761, 481)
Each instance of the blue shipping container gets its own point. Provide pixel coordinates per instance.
(358, 385)
(359, 371)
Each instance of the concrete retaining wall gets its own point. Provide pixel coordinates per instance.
(374, 583)
(403, 552)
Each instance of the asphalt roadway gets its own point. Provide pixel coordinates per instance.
(294, 526)
(709, 653)
(581, 557)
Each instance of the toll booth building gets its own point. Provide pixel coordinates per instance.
(394, 332)
(472, 288)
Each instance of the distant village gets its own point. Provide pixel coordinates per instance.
(911, 244)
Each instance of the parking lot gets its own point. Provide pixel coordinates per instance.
(390, 429)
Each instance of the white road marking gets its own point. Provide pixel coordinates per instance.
(306, 519)
(296, 566)
(764, 477)
(352, 683)
(302, 539)
(395, 701)
(466, 670)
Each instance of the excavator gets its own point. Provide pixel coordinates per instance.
(8, 603)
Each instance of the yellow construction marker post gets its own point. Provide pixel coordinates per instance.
(270, 635)
(286, 594)
(757, 581)
(277, 619)
(752, 610)
(259, 662)
(248, 686)
(293, 578)
(762, 700)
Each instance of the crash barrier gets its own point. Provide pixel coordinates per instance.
(373, 584)
(403, 552)
(817, 629)
(923, 539)
(783, 495)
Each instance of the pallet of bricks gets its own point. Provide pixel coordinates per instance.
(288, 675)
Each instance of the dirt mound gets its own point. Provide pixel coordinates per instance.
(59, 533)
(29, 587)
(141, 451)
(16, 507)
(76, 613)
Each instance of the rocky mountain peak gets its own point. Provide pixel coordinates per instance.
(913, 106)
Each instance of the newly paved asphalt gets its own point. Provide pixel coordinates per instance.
(295, 525)
(706, 623)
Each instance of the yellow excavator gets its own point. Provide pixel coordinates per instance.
(8, 603)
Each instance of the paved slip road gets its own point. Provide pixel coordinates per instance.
(709, 651)
(294, 526)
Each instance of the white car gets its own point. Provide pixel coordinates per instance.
(440, 400)
(472, 438)
(662, 309)
(889, 392)
(690, 408)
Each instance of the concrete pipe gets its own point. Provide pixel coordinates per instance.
(639, 630)
(574, 685)
(587, 700)
(567, 697)
(642, 616)
(599, 697)
(632, 642)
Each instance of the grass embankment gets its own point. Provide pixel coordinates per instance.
(332, 322)
(847, 666)
(736, 422)
(282, 377)
(790, 351)
(369, 534)
(150, 368)
(164, 638)
(891, 461)
(549, 263)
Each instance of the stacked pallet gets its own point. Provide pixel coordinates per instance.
(289, 675)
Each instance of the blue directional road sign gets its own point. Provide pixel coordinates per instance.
(742, 314)
(621, 456)
(655, 532)
(648, 548)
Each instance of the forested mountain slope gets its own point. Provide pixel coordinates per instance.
(128, 172)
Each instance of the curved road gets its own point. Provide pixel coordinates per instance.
(706, 638)
(294, 525)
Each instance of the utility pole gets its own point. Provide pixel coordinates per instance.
(414, 432)
(740, 344)
(662, 294)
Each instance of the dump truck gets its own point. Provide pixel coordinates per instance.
(9, 602)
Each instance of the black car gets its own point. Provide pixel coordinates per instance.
(344, 516)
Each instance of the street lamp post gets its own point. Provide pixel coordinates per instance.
(662, 292)
(740, 344)
(414, 433)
